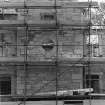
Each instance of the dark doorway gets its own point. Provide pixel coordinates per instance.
(92, 81)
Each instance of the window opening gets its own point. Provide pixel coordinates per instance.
(5, 85)
(48, 44)
(93, 43)
(47, 16)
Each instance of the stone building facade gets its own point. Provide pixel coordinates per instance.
(66, 50)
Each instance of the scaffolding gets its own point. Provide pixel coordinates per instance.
(52, 57)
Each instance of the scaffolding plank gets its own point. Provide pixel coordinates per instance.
(11, 4)
(19, 23)
(27, 4)
(11, 23)
(40, 5)
(78, 4)
(67, 62)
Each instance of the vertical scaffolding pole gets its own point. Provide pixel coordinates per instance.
(89, 55)
(56, 62)
(25, 50)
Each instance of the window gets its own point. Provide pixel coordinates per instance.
(8, 43)
(5, 85)
(93, 82)
(47, 16)
(93, 47)
(8, 14)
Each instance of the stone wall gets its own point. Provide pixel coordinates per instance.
(68, 43)
(43, 79)
(36, 79)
